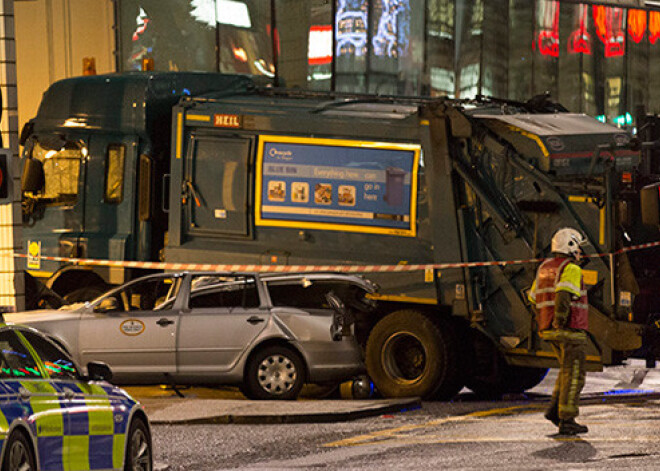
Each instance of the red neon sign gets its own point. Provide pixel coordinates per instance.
(320, 45)
(548, 38)
(609, 27)
(579, 42)
(636, 25)
(654, 26)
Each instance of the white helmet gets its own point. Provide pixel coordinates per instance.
(567, 241)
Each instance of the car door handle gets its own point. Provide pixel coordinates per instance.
(255, 320)
(68, 394)
(24, 393)
(164, 322)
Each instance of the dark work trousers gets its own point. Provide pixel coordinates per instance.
(569, 347)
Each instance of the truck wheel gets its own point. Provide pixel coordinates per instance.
(275, 372)
(408, 354)
(86, 293)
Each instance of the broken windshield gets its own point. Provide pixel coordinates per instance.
(61, 172)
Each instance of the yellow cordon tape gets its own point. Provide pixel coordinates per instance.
(315, 268)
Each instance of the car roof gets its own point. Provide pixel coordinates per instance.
(361, 281)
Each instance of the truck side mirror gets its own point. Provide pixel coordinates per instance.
(33, 178)
(650, 204)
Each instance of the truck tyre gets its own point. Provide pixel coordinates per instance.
(275, 372)
(408, 354)
(87, 293)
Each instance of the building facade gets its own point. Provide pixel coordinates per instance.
(592, 57)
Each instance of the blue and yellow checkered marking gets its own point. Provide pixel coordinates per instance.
(94, 435)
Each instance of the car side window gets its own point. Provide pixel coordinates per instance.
(150, 293)
(208, 291)
(145, 295)
(303, 295)
(15, 360)
(57, 363)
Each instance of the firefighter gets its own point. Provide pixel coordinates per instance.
(562, 313)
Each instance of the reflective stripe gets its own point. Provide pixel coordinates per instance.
(563, 335)
(545, 290)
(572, 392)
(580, 305)
(570, 287)
(118, 449)
(546, 304)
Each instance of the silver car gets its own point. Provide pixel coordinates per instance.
(268, 334)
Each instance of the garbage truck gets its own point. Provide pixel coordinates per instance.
(211, 168)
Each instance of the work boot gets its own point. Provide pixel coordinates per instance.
(552, 413)
(571, 427)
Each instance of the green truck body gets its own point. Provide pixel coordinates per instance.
(204, 168)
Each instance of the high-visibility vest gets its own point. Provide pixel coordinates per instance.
(559, 274)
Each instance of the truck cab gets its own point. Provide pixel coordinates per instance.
(95, 158)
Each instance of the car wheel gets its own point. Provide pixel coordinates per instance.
(18, 454)
(275, 372)
(138, 450)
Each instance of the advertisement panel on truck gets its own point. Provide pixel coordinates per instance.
(337, 184)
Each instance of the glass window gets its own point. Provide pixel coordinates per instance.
(245, 37)
(57, 363)
(61, 171)
(440, 48)
(15, 360)
(143, 295)
(469, 20)
(319, 49)
(114, 176)
(223, 291)
(305, 295)
(177, 35)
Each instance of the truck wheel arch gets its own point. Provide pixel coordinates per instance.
(69, 279)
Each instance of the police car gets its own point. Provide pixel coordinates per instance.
(52, 417)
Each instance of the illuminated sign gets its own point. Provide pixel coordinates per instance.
(636, 25)
(227, 121)
(609, 27)
(337, 184)
(579, 42)
(654, 26)
(548, 37)
(319, 51)
(351, 23)
(610, 24)
(390, 38)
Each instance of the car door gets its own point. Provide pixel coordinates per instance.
(89, 426)
(223, 317)
(31, 396)
(133, 329)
